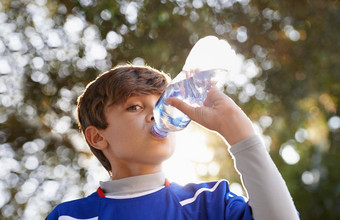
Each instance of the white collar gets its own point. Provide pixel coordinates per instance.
(135, 186)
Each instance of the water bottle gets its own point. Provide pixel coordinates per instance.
(205, 64)
(193, 91)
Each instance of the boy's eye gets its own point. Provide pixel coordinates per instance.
(134, 108)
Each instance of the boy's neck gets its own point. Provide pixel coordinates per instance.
(134, 170)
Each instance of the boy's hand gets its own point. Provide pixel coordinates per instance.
(219, 113)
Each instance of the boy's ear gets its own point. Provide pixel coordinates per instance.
(95, 138)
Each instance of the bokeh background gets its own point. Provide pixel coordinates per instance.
(288, 82)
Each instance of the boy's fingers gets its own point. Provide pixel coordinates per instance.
(182, 106)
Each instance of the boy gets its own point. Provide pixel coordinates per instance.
(115, 114)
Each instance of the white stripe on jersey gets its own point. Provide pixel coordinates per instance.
(191, 200)
(66, 217)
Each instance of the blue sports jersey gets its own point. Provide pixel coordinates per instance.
(194, 201)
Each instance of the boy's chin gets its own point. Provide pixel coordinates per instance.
(159, 159)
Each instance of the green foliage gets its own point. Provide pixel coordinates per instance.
(49, 51)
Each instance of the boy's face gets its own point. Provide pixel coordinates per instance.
(130, 140)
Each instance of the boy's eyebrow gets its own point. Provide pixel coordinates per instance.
(112, 103)
(122, 101)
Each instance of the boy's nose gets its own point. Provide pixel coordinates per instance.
(150, 117)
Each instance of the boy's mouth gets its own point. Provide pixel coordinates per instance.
(155, 136)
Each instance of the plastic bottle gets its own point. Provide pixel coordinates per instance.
(205, 64)
(192, 91)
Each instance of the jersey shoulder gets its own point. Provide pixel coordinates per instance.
(84, 208)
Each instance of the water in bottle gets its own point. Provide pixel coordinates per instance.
(193, 91)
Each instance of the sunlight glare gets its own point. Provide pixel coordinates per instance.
(209, 53)
(191, 148)
(334, 123)
(237, 189)
(311, 177)
(289, 154)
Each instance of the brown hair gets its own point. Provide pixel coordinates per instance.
(115, 87)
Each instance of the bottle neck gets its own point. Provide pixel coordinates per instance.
(158, 132)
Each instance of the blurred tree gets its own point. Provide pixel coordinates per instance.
(288, 84)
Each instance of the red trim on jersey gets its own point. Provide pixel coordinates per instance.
(100, 192)
(167, 183)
